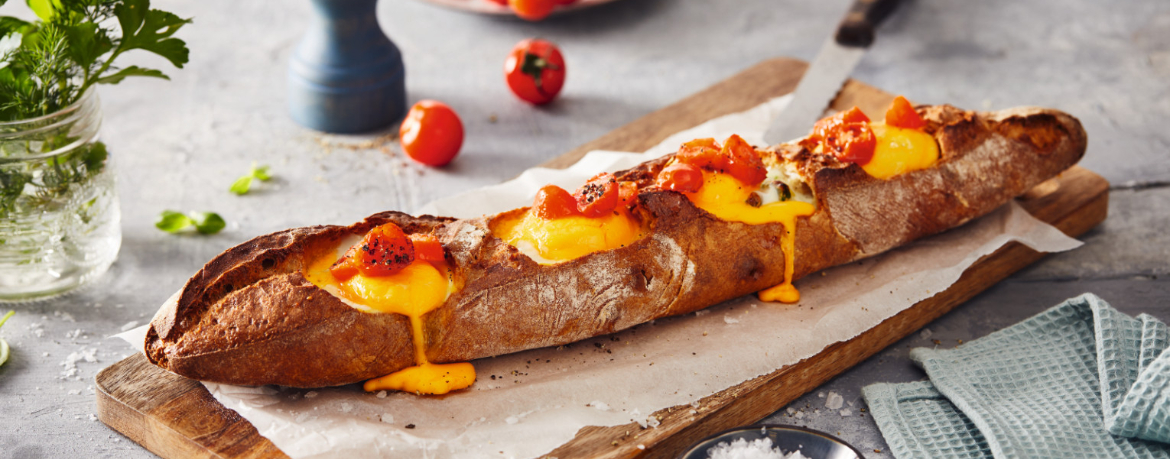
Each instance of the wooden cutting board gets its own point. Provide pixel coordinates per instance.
(176, 417)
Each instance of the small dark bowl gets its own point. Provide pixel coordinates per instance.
(811, 443)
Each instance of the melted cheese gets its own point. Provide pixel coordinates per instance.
(412, 292)
(725, 197)
(567, 238)
(899, 151)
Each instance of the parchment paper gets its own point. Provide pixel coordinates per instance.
(526, 404)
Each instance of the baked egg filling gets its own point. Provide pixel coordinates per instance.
(728, 199)
(899, 151)
(552, 241)
(418, 288)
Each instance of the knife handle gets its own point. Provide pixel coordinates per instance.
(857, 29)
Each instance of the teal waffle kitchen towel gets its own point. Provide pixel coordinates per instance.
(1078, 380)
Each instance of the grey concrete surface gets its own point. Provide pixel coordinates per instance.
(180, 144)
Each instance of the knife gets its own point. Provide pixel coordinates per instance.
(828, 72)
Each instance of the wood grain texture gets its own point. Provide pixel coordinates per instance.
(176, 417)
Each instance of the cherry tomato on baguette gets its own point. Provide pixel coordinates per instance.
(345, 268)
(902, 114)
(383, 251)
(427, 248)
(431, 133)
(598, 196)
(743, 162)
(846, 136)
(627, 194)
(535, 70)
(736, 157)
(553, 202)
(681, 177)
(532, 10)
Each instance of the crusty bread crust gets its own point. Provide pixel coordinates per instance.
(250, 317)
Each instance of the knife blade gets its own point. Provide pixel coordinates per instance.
(829, 70)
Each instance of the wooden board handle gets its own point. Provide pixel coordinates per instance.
(857, 29)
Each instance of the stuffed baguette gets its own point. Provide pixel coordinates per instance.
(252, 316)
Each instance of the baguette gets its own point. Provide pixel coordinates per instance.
(251, 317)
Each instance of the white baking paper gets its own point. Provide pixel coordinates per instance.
(526, 404)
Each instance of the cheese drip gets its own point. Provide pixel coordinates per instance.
(726, 197)
(899, 151)
(412, 292)
(567, 238)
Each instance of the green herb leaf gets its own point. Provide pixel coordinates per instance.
(241, 185)
(172, 222)
(208, 222)
(132, 70)
(261, 173)
(87, 43)
(150, 30)
(43, 8)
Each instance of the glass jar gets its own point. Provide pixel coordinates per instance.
(59, 216)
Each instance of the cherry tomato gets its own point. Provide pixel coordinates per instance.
(701, 153)
(535, 70)
(847, 136)
(427, 248)
(345, 268)
(743, 162)
(902, 114)
(681, 177)
(598, 196)
(627, 194)
(383, 251)
(532, 10)
(431, 133)
(736, 157)
(499, 2)
(553, 202)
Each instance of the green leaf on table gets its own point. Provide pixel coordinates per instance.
(243, 184)
(132, 70)
(172, 221)
(204, 222)
(208, 222)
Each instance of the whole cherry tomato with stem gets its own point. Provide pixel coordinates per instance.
(431, 133)
(535, 70)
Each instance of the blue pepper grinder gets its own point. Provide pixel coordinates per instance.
(346, 76)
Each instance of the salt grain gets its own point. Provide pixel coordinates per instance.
(600, 405)
(835, 401)
(310, 394)
(388, 418)
(925, 334)
(730, 320)
(381, 394)
(846, 413)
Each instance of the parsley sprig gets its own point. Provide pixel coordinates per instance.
(47, 64)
